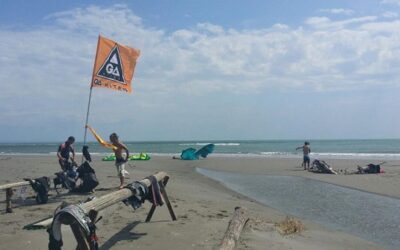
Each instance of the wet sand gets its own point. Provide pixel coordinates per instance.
(203, 206)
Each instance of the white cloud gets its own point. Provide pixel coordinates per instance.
(341, 11)
(208, 55)
(326, 23)
(396, 2)
(52, 63)
(390, 14)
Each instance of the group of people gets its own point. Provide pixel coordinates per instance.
(66, 155)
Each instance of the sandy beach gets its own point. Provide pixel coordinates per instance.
(203, 206)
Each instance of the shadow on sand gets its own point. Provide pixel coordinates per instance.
(124, 235)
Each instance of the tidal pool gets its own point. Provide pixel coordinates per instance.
(369, 216)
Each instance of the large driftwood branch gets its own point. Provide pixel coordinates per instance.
(101, 202)
(234, 229)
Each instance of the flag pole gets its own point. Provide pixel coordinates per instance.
(87, 116)
(87, 120)
(90, 95)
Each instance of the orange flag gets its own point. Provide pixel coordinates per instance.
(114, 65)
(101, 140)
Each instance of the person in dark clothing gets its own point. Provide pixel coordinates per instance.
(64, 153)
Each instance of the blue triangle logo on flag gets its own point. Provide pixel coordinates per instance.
(112, 67)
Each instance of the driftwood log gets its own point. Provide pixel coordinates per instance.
(14, 185)
(235, 227)
(102, 202)
(9, 192)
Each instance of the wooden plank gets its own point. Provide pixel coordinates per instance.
(9, 193)
(14, 185)
(166, 199)
(234, 229)
(102, 202)
(150, 214)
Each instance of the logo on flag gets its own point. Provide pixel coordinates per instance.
(112, 68)
(114, 65)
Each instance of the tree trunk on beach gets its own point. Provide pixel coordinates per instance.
(235, 227)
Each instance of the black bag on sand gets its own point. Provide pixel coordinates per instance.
(41, 187)
(85, 168)
(64, 180)
(373, 169)
(89, 182)
(88, 177)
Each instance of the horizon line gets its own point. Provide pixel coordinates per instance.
(211, 140)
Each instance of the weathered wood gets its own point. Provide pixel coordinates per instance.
(166, 200)
(9, 193)
(162, 185)
(103, 202)
(14, 185)
(151, 212)
(234, 229)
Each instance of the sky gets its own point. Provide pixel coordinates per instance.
(208, 70)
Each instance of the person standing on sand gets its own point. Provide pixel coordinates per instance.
(306, 155)
(64, 151)
(119, 160)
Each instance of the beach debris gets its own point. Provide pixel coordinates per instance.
(320, 166)
(289, 226)
(235, 227)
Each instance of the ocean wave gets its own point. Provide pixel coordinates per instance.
(392, 156)
(23, 154)
(206, 143)
(28, 144)
(276, 153)
(362, 155)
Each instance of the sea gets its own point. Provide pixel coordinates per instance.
(387, 149)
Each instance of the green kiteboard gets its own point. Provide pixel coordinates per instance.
(139, 157)
(111, 157)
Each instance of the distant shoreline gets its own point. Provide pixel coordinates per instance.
(263, 155)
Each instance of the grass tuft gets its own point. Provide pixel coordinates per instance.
(289, 226)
